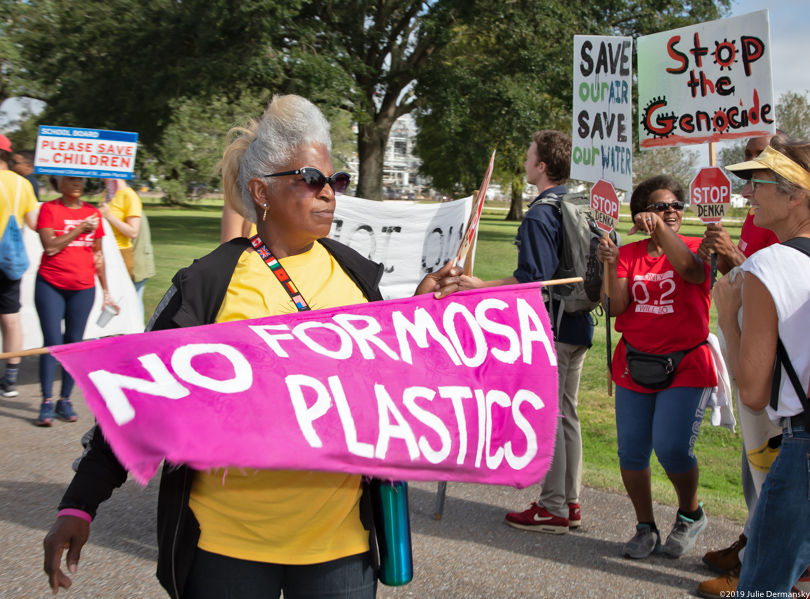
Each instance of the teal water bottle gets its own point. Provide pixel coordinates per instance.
(393, 523)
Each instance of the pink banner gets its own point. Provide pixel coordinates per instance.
(461, 389)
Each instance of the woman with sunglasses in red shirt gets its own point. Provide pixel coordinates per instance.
(664, 372)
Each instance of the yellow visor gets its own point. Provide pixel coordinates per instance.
(778, 163)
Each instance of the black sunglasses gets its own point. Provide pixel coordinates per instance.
(315, 179)
(663, 206)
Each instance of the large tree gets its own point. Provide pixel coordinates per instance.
(129, 64)
(126, 63)
(793, 114)
(470, 98)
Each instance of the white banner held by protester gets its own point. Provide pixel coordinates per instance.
(79, 152)
(706, 83)
(602, 140)
(411, 240)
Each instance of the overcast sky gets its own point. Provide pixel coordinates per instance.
(790, 41)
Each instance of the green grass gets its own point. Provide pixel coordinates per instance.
(181, 235)
(178, 237)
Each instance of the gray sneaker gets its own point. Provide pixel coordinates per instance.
(684, 534)
(645, 542)
(8, 389)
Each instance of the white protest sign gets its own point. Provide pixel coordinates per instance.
(411, 240)
(706, 83)
(602, 141)
(79, 152)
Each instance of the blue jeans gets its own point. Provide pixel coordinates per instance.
(667, 421)
(53, 306)
(778, 549)
(215, 576)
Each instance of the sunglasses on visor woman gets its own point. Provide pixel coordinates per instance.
(315, 179)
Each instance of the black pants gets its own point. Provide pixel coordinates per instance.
(218, 577)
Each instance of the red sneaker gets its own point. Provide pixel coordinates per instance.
(574, 515)
(536, 518)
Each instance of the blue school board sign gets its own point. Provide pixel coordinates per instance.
(85, 152)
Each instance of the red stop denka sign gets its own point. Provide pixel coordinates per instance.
(605, 205)
(710, 194)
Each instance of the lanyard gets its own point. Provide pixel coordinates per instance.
(281, 274)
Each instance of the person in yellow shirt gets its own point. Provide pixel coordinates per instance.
(17, 197)
(123, 209)
(246, 533)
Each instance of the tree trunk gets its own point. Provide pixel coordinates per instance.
(516, 208)
(371, 142)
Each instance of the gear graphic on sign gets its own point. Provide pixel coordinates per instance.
(725, 53)
(666, 121)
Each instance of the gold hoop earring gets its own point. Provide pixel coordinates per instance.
(264, 216)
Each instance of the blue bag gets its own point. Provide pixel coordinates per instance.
(13, 259)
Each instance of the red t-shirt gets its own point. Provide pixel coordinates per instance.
(665, 314)
(754, 238)
(74, 266)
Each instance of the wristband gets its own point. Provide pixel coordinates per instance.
(77, 513)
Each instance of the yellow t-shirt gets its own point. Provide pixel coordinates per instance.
(281, 516)
(125, 203)
(10, 182)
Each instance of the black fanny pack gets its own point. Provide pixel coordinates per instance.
(653, 371)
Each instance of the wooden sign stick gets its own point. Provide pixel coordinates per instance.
(44, 350)
(26, 352)
(607, 324)
(713, 271)
(468, 261)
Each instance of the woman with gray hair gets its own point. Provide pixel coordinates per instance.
(770, 358)
(236, 532)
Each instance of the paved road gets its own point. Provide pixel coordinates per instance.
(470, 553)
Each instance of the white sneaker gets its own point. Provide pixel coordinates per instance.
(684, 534)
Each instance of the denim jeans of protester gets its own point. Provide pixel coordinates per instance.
(778, 549)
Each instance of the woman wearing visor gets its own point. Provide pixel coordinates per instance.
(770, 357)
(245, 533)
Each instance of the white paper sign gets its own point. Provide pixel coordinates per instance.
(602, 140)
(706, 83)
(411, 240)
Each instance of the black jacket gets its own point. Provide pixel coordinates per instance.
(194, 299)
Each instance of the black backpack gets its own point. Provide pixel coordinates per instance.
(580, 240)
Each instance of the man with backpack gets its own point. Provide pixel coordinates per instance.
(541, 244)
(17, 202)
